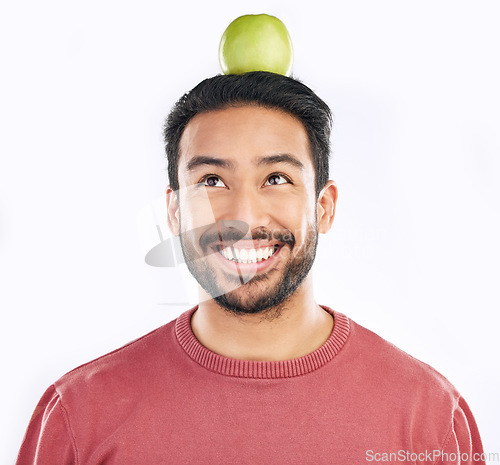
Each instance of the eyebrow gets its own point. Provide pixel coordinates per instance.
(285, 158)
(202, 160)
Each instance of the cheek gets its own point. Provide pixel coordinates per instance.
(299, 221)
(195, 210)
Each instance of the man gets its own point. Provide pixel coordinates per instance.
(258, 372)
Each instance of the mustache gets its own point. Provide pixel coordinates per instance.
(229, 234)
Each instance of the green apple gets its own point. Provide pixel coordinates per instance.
(256, 43)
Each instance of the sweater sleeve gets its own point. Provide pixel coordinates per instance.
(463, 445)
(48, 439)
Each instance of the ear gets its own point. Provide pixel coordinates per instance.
(327, 202)
(173, 211)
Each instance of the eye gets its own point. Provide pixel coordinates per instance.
(211, 180)
(276, 179)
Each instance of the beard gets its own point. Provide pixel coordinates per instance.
(262, 294)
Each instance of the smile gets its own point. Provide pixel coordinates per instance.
(237, 255)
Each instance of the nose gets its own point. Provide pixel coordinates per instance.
(248, 206)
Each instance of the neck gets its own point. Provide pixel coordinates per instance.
(298, 327)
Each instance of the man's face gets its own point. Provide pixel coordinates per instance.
(246, 211)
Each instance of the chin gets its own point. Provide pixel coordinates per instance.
(245, 301)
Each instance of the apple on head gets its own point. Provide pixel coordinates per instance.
(256, 43)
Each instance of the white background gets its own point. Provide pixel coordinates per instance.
(414, 250)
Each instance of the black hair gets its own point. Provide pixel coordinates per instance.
(260, 88)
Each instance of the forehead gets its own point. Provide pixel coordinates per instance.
(243, 134)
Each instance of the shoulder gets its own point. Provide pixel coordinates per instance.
(123, 367)
(385, 361)
(399, 390)
(396, 381)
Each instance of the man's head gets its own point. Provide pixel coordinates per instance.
(244, 195)
(260, 88)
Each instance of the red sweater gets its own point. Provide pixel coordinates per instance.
(166, 399)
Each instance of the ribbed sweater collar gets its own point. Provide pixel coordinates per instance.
(262, 369)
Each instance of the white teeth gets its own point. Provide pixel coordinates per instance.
(227, 253)
(247, 255)
(267, 253)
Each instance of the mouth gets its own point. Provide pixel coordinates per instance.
(248, 255)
